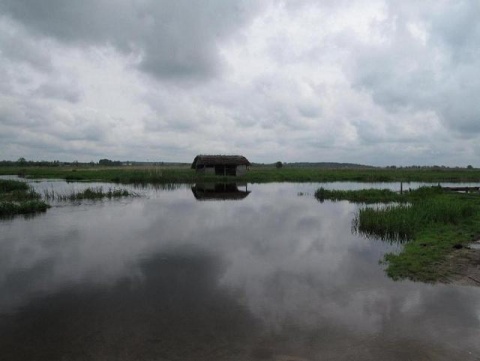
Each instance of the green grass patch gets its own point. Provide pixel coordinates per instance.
(18, 198)
(7, 186)
(423, 258)
(372, 195)
(432, 222)
(360, 196)
(28, 207)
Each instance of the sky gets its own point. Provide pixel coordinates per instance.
(376, 82)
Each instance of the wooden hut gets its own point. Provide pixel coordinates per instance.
(231, 165)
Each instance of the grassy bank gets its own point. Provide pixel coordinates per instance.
(257, 174)
(433, 224)
(367, 196)
(18, 198)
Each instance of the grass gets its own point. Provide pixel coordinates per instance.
(403, 221)
(424, 258)
(256, 174)
(360, 196)
(8, 209)
(18, 198)
(7, 186)
(433, 223)
(370, 196)
(89, 193)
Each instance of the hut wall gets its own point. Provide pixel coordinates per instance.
(209, 170)
(223, 166)
(206, 169)
(241, 169)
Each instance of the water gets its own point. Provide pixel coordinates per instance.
(272, 274)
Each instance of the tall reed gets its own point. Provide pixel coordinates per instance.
(401, 222)
(91, 193)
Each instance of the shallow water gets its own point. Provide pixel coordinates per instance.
(271, 275)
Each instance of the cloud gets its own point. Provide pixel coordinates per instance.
(175, 38)
(18, 45)
(426, 63)
(351, 81)
(61, 91)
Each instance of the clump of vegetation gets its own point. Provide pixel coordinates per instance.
(89, 193)
(7, 186)
(28, 207)
(18, 198)
(432, 222)
(360, 196)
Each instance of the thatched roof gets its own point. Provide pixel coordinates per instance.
(212, 160)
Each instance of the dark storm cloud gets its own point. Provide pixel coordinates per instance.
(175, 38)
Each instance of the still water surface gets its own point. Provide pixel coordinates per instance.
(269, 275)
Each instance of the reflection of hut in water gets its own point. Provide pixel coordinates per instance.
(232, 165)
(220, 191)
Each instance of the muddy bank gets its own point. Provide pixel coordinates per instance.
(463, 266)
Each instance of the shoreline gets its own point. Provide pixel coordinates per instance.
(463, 266)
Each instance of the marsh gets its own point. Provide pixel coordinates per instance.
(276, 275)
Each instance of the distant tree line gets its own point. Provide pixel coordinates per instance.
(22, 162)
(104, 162)
(109, 163)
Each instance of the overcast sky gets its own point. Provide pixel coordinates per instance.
(370, 81)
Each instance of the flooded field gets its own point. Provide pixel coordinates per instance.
(257, 272)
